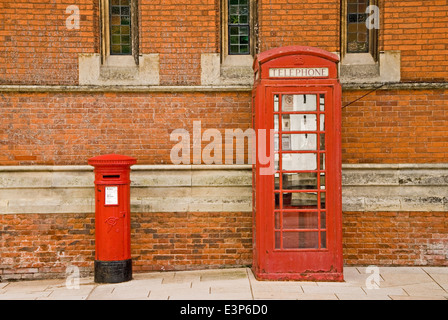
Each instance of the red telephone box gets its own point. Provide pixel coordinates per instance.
(113, 262)
(297, 193)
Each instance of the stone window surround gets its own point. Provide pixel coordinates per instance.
(370, 67)
(237, 60)
(112, 70)
(224, 69)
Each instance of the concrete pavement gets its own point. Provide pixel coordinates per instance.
(383, 283)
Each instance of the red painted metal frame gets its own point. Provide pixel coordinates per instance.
(321, 264)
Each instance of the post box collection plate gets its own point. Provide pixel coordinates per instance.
(111, 196)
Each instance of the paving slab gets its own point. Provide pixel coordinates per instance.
(361, 276)
(149, 276)
(231, 296)
(397, 291)
(424, 289)
(349, 296)
(24, 295)
(318, 296)
(404, 279)
(62, 293)
(396, 283)
(419, 298)
(225, 274)
(181, 277)
(436, 270)
(441, 279)
(129, 293)
(334, 289)
(101, 292)
(275, 295)
(32, 286)
(396, 270)
(180, 293)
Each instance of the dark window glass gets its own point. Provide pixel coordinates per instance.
(239, 33)
(357, 32)
(120, 27)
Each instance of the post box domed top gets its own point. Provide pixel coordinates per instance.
(112, 159)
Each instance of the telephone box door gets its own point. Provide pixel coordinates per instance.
(298, 218)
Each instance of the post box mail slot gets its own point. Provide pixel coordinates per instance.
(111, 177)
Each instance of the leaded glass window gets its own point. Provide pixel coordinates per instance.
(357, 32)
(239, 29)
(120, 27)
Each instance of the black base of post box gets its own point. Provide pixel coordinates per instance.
(113, 271)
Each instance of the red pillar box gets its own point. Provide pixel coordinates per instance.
(113, 262)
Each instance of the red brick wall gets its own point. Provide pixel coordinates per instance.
(53, 128)
(68, 128)
(37, 48)
(298, 22)
(418, 29)
(35, 45)
(191, 240)
(44, 245)
(395, 238)
(395, 126)
(179, 31)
